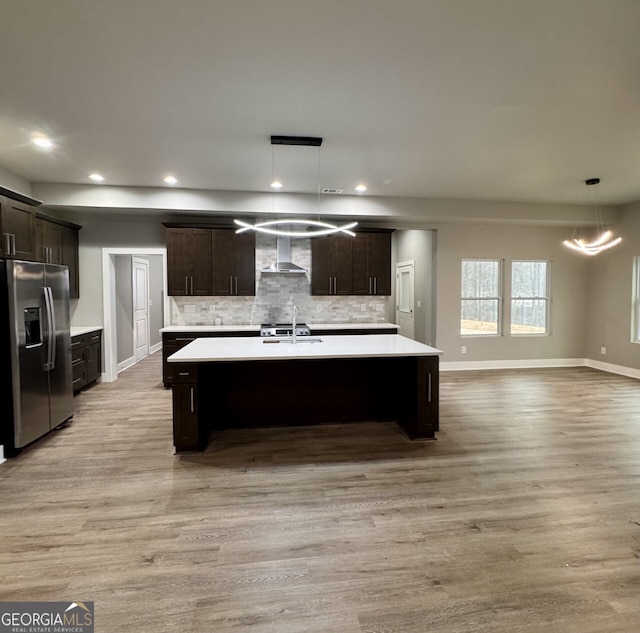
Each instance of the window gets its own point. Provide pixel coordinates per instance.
(635, 298)
(529, 297)
(481, 300)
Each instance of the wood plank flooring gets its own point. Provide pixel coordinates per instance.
(522, 517)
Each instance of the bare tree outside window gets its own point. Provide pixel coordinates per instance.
(480, 305)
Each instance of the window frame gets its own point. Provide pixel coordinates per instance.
(499, 299)
(546, 299)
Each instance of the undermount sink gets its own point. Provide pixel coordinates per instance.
(289, 340)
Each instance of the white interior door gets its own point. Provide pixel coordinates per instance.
(404, 299)
(140, 307)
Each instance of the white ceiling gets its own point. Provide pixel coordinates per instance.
(514, 100)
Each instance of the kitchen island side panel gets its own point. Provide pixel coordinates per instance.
(268, 393)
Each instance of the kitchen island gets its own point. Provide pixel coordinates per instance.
(234, 382)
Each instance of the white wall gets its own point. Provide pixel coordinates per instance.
(15, 183)
(569, 287)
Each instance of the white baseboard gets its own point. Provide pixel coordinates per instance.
(614, 369)
(539, 362)
(529, 363)
(126, 363)
(129, 362)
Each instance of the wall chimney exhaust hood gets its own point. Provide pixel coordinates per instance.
(283, 263)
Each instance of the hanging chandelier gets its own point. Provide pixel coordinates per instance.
(604, 238)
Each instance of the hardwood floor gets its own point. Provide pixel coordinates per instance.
(522, 517)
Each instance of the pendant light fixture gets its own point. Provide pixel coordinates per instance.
(295, 227)
(604, 238)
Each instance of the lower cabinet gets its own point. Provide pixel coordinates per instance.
(186, 429)
(86, 359)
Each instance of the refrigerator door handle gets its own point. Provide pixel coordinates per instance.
(51, 329)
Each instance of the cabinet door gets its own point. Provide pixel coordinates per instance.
(178, 269)
(224, 260)
(234, 258)
(51, 243)
(245, 261)
(343, 264)
(93, 356)
(185, 417)
(69, 258)
(18, 229)
(200, 259)
(189, 269)
(321, 266)
(372, 264)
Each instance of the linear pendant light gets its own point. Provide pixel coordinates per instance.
(283, 228)
(604, 239)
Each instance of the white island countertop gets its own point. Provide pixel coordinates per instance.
(203, 350)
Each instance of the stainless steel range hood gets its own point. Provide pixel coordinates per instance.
(283, 263)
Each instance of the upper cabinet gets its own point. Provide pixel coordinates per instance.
(234, 263)
(372, 263)
(331, 265)
(57, 243)
(189, 268)
(358, 265)
(27, 233)
(210, 262)
(17, 229)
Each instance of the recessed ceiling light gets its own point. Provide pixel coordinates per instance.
(42, 141)
(96, 177)
(361, 187)
(171, 179)
(276, 184)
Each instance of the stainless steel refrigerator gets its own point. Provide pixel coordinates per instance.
(36, 348)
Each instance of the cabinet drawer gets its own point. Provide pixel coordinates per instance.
(184, 372)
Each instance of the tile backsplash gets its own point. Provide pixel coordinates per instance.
(275, 297)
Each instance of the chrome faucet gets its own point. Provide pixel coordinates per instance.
(294, 313)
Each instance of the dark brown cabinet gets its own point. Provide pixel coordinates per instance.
(48, 241)
(331, 265)
(186, 427)
(17, 229)
(57, 243)
(234, 263)
(86, 359)
(189, 262)
(372, 263)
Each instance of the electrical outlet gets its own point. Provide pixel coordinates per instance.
(363, 307)
(603, 350)
(218, 321)
(419, 304)
(318, 308)
(212, 308)
(379, 307)
(463, 349)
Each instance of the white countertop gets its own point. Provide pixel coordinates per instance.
(210, 328)
(79, 330)
(256, 328)
(254, 348)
